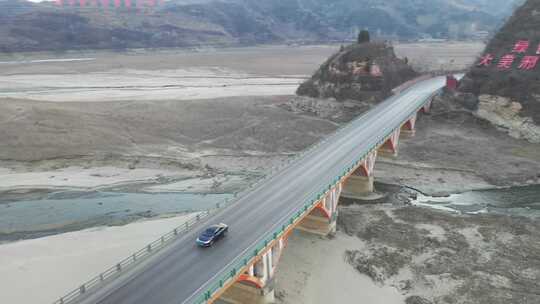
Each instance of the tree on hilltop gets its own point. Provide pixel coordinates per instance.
(363, 37)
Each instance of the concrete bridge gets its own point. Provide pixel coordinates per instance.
(303, 195)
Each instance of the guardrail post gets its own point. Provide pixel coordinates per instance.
(198, 217)
(61, 300)
(101, 278)
(217, 205)
(82, 289)
(175, 231)
(118, 267)
(162, 239)
(134, 257)
(149, 248)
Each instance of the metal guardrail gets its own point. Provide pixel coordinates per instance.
(241, 263)
(135, 258)
(233, 270)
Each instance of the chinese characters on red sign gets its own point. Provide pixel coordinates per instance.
(518, 54)
(506, 62)
(486, 60)
(107, 3)
(529, 62)
(521, 47)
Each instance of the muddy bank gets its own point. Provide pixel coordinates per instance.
(453, 152)
(446, 258)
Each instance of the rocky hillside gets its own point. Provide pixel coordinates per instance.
(507, 77)
(366, 71)
(26, 26)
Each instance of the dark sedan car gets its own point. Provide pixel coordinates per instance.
(212, 234)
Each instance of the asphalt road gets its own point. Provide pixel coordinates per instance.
(180, 271)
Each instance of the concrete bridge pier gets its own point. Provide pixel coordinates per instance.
(390, 147)
(322, 220)
(427, 107)
(360, 183)
(256, 284)
(408, 130)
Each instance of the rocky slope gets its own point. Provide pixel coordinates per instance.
(363, 72)
(510, 96)
(26, 26)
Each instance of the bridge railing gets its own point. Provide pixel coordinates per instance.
(135, 258)
(240, 264)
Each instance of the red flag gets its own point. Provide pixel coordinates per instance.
(521, 46)
(529, 62)
(486, 60)
(506, 61)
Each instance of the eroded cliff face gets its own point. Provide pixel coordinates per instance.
(504, 113)
(363, 72)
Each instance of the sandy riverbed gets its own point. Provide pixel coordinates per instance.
(53, 265)
(136, 85)
(313, 270)
(83, 178)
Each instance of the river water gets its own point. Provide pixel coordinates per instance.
(522, 201)
(66, 211)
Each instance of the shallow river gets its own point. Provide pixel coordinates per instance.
(524, 201)
(72, 211)
(66, 211)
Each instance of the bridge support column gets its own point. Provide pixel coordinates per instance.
(427, 107)
(409, 128)
(390, 146)
(360, 183)
(323, 218)
(241, 293)
(256, 284)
